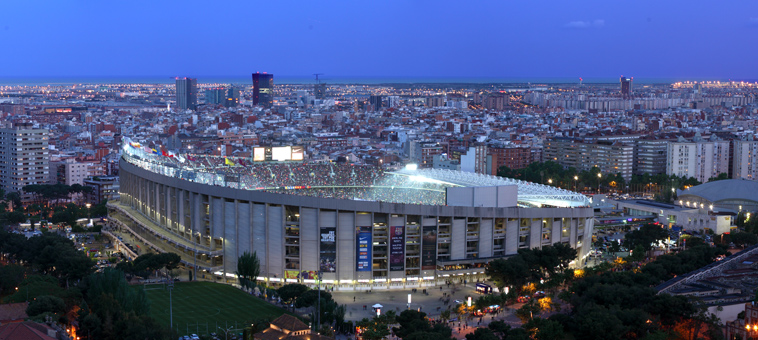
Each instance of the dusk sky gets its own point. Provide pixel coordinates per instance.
(653, 39)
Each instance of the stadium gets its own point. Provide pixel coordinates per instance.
(360, 226)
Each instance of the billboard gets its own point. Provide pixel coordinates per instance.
(328, 250)
(281, 153)
(429, 248)
(297, 153)
(364, 249)
(259, 154)
(397, 249)
(278, 153)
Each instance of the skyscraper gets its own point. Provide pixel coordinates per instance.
(376, 102)
(263, 89)
(626, 86)
(24, 158)
(186, 93)
(319, 90)
(215, 96)
(232, 97)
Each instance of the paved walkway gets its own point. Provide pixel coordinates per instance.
(431, 303)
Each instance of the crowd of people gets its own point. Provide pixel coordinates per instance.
(317, 179)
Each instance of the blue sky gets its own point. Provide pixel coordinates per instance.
(653, 39)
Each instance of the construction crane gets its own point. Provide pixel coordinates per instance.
(317, 74)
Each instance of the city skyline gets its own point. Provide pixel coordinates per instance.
(491, 40)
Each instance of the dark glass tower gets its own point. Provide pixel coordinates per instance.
(626, 87)
(186, 93)
(263, 89)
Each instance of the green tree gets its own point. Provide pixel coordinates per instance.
(46, 304)
(545, 329)
(248, 269)
(10, 277)
(720, 177)
(513, 271)
(289, 292)
(482, 334)
(645, 236)
(743, 239)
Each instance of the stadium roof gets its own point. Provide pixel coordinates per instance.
(528, 192)
(727, 189)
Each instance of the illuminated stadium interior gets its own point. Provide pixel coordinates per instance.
(338, 180)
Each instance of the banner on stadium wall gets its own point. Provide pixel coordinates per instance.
(291, 274)
(397, 249)
(308, 275)
(429, 248)
(328, 258)
(364, 249)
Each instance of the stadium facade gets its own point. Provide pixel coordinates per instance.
(348, 222)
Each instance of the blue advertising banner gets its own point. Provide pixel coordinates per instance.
(364, 249)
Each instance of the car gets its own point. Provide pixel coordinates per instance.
(195, 337)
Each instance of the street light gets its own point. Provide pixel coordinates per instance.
(89, 213)
(599, 175)
(550, 181)
(576, 178)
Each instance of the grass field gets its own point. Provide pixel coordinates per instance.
(201, 305)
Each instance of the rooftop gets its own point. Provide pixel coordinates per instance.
(727, 189)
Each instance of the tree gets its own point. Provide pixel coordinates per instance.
(482, 334)
(290, 292)
(310, 298)
(248, 269)
(742, 239)
(720, 177)
(545, 329)
(376, 328)
(46, 304)
(645, 236)
(513, 271)
(10, 277)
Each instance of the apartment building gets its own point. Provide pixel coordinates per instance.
(24, 158)
(698, 158)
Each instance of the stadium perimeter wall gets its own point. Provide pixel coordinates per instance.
(295, 236)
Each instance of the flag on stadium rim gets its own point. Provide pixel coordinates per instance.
(191, 158)
(228, 162)
(240, 161)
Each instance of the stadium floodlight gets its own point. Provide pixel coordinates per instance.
(411, 166)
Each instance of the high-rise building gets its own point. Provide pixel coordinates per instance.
(319, 90)
(511, 157)
(24, 158)
(650, 156)
(186, 93)
(215, 96)
(68, 172)
(376, 102)
(699, 158)
(744, 164)
(626, 86)
(232, 97)
(611, 157)
(423, 152)
(263, 89)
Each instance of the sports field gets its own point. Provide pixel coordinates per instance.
(205, 305)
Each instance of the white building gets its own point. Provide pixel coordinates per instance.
(69, 172)
(698, 158)
(743, 164)
(24, 157)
